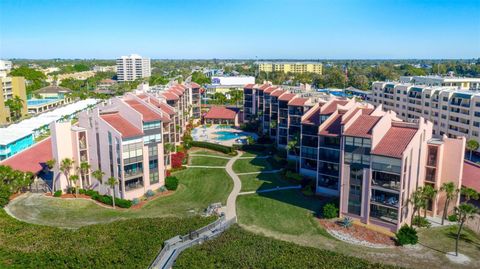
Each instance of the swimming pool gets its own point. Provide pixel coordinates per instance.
(37, 102)
(225, 135)
(223, 127)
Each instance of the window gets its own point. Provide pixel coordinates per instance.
(151, 125)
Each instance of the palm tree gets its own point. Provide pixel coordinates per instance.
(469, 194)
(84, 170)
(417, 202)
(464, 211)
(292, 146)
(15, 104)
(98, 175)
(66, 166)
(428, 193)
(112, 182)
(472, 145)
(51, 163)
(451, 191)
(74, 179)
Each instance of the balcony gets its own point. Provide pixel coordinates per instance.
(134, 184)
(386, 180)
(132, 173)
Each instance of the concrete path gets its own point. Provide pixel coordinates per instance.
(231, 212)
(255, 157)
(272, 189)
(210, 156)
(260, 172)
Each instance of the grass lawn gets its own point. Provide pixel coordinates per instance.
(254, 165)
(202, 151)
(251, 153)
(255, 182)
(208, 161)
(289, 216)
(197, 189)
(238, 248)
(130, 243)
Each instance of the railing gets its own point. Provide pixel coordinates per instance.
(216, 228)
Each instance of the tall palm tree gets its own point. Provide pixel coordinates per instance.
(292, 146)
(112, 182)
(51, 163)
(74, 180)
(428, 193)
(98, 175)
(66, 166)
(84, 170)
(469, 194)
(464, 211)
(472, 145)
(417, 202)
(451, 191)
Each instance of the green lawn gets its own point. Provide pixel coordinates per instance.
(208, 161)
(201, 151)
(130, 243)
(255, 182)
(252, 153)
(254, 165)
(237, 248)
(289, 216)
(198, 188)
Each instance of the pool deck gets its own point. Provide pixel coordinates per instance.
(208, 135)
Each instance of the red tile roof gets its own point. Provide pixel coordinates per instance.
(147, 113)
(249, 86)
(314, 118)
(142, 96)
(471, 175)
(287, 97)
(264, 87)
(333, 107)
(394, 142)
(362, 127)
(176, 91)
(121, 125)
(221, 113)
(164, 107)
(270, 89)
(194, 85)
(334, 128)
(170, 96)
(277, 93)
(365, 111)
(32, 159)
(298, 101)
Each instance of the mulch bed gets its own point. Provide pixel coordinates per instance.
(15, 195)
(70, 195)
(359, 232)
(157, 195)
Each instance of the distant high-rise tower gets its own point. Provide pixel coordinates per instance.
(130, 68)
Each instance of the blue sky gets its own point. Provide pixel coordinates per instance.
(295, 29)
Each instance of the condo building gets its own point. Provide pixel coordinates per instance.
(9, 88)
(287, 67)
(367, 157)
(454, 112)
(461, 83)
(133, 67)
(125, 137)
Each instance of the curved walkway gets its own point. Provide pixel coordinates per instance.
(209, 156)
(231, 211)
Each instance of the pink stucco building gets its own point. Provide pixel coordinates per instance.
(367, 157)
(125, 138)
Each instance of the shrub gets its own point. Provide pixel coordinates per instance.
(452, 218)
(216, 147)
(71, 190)
(307, 191)
(346, 222)
(149, 193)
(171, 183)
(57, 193)
(330, 211)
(135, 201)
(177, 159)
(293, 176)
(81, 191)
(91, 192)
(406, 235)
(123, 203)
(421, 222)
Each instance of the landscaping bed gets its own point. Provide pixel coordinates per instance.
(357, 234)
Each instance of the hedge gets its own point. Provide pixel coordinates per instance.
(216, 147)
(238, 248)
(171, 183)
(106, 199)
(132, 243)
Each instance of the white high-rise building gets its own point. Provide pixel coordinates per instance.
(130, 68)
